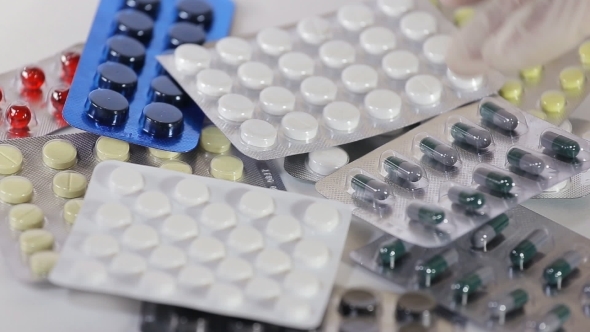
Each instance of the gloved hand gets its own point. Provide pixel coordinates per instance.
(509, 35)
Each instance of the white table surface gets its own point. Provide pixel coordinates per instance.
(34, 29)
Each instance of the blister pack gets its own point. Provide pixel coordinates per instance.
(32, 97)
(43, 180)
(264, 255)
(519, 272)
(364, 70)
(120, 90)
(458, 170)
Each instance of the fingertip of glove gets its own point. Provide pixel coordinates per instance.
(461, 62)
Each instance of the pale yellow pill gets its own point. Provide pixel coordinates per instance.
(227, 167)
(512, 90)
(584, 52)
(42, 262)
(59, 154)
(572, 79)
(532, 74)
(71, 210)
(161, 154)
(11, 159)
(69, 184)
(553, 101)
(214, 141)
(111, 149)
(177, 165)
(16, 190)
(539, 114)
(463, 15)
(25, 216)
(34, 240)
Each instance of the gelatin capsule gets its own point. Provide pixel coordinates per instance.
(472, 283)
(553, 320)
(399, 168)
(370, 188)
(528, 248)
(467, 197)
(498, 116)
(493, 180)
(508, 303)
(437, 265)
(425, 213)
(439, 151)
(488, 232)
(563, 146)
(562, 267)
(525, 161)
(473, 136)
(391, 252)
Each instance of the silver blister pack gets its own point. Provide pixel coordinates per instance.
(57, 214)
(505, 276)
(460, 169)
(364, 70)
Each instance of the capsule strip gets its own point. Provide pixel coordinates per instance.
(439, 151)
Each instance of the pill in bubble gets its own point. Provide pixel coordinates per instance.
(368, 187)
(508, 303)
(561, 145)
(562, 267)
(525, 161)
(390, 252)
(498, 116)
(488, 232)
(425, 213)
(439, 151)
(399, 168)
(493, 180)
(471, 135)
(528, 248)
(466, 197)
(437, 265)
(553, 320)
(472, 283)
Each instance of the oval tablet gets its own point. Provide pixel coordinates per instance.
(34, 240)
(233, 50)
(213, 82)
(16, 190)
(218, 216)
(42, 262)
(467, 82)
(180, 227)
(206, 249)
(191, 192)
(69, 184)
(377, 40)
(312, 253)
(153, 204)
(383, 104)
(125, 181)
(277, 100)
(424, 90)
(314, 30)
(418, 25)
(11, 159)
(274, 41)
(355, 17)
(296, 65)
(213, 140)
(337, 54)
(341, 115)
(234, 269)
(167, 257)
(283, 228)
(59, 154)
(125, 264)
(321, 217)
(226, 167)
(161, 154)
(299, 126)
(262, 289)
(327, 161)
(225, 296)
(25, 216)
(245, 239)
(107, 148)
(256, 204)
(395, 8)
(359, 78)
(177, 166)
(400, 64)
(190, 58)
(273, 261)
(100, 245)
(235, 107)
(318, 90)
(140, 237)
(435, 48)
(255, 75)
(301, 283)
(113, 215)
(258, 133)
(71, 210)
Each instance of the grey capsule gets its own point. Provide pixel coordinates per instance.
(439, 151)
(400, 168)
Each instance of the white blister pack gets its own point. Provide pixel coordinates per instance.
(207, 244)
(367, 69)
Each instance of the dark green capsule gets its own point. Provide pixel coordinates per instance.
(554, 319)
(400, 168)
(369, 187)
(528, 248)
(471, 135)
(508, 303)
(525, 161)
(439, 151)
(486, 233)
(561, 145)
(467, 197)
(498, 116)
(562, 267)
(493, 180)
(437, 265)
(473, 282)
(391, 252)
(425, 213)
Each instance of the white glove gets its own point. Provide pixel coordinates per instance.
(509, 35)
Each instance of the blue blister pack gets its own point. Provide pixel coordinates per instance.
(120, 90)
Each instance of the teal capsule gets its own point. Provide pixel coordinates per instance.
(402, 169)
(467, 197)
(471, 135)
(437, 265)
(493, 180)
(515, 300)
(473, 283)
(369, 187)
(425, 213)
(525, 161)
(561, 145)
(528, 248)
(488, 232)
(498, 116)
(439, 151)
(389, 253)
(553, 320)
(562, 267)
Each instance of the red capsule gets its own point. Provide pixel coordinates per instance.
(19, 133)
(33, 97)
(69, 63)
(32, 78)
(58, 98)
(1, 95)
(18, 116)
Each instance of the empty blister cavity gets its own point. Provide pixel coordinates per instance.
(364, 186)
(444, 156)
(402, 171)
(468, 135)
(472, 283)
(435, 48)
(327, 161)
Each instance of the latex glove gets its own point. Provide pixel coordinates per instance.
(509, 35)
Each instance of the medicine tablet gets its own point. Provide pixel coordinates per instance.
(553, 101)
(566, 126)
(377, 40)
(337, 54)
(424, 90)
(125, 181)
(255, 75)
(572, 79)
(435, 48)
(213, 82)
(400, 64)
(233, 50)
(245, 239)
(213, 140)
(191, 192)
(100, 246)
(256, 204)
(277, 100)
(167, 257)
(88, 272)
(327, 161)
(140, 236)
(274, 41)
(341, 115)
(395, 8)
(180, 227)
(258, 133)
(234, 107)
(195, 276)
(225, 296)
(178, 166)
(512, 90)
(318, 90)
(190, 58)
(273, 261)
(218, 216)
(299, 126)
(383, 104)
(359, 78)
(234, 269)
(283, 228)
(11, 159)
(226, 168)
(584, 53)
(111, 149)
(296, 65)
(312, 253)
(59, 154)
(69, 184)
(293, 308)
(41, 263)
(34, 240)
(113, 215)
(532, 74)
(206, 249)
(16, 190)
(464, 82)
(157, 283)
(355, 17)
(25, 216)
(302, 283)
(262, 289)
(127, 264)
(161, 154)
(418, 25)
(321, 217)
(152, 204)
(314, 30)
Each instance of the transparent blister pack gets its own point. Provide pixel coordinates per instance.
(365, 70)
(498, 158)
(508, 275)
(121, 91)
(206, 244)
(43, 181)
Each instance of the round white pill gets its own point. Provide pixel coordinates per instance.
(300, 126)
(127, 264)
(283, 228)
(100, 245)
(88, 272)
(359, 78)
(293, 309)
(258, 133)
(383, 104)
(213, 82)
(256, 204)
(327, 161)
(312, 253)
(218, 216)
(395, 8)
(355, 17)
(195, 276)
(377, 40)
(273, 261)
(465, 82)
(255, 75)
(262, 289)
(400, 64)
(301, 283)
(296, 65)
(234, 269)
(225, 296)
(157, 283)
(277, 100)
(245, 239)
(314, 30)
(233, 50)
(424, 90)
(321, 217)
(341, 115)
(167, 257)
(191, 192)
(113, 215)
(566, 126)
(274, 41)
(418, 25)
(153, 204)
(318, 90)
(337, 54)
(206, 249)
(125, 181)
(190, 58)
(140, 237)
(180, 227)
(435, 48)
(234, 107)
